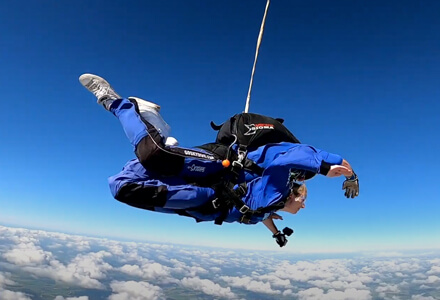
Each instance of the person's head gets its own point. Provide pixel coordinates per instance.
(296, 199)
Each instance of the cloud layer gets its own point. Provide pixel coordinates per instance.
(127, 270)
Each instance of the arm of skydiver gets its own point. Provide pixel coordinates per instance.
(269, 223)
(274, 183)
(338, 167)
(308, 158)
(280, 237)
(335, 159)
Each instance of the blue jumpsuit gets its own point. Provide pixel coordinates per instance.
(176, 195)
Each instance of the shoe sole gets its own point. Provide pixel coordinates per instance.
(85, 79)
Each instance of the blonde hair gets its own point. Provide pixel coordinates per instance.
(297, 190)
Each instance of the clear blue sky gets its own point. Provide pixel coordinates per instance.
(357, 78)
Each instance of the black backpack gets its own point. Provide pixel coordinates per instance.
(252, 130)
(248, 131)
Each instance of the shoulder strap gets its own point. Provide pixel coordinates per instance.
(230, 197)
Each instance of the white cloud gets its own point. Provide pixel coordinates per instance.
(305, 271)
(328, 274)
(148, 270)
(114, 247)
(195, 270)
(403, 266)
(208, 287)
(133, 270)
(389, 288)
(250, 284)
(428, 280)
(9, 295)
(388, 291)
(434, 270)
(84, 270)
(319, 294)
(79, 244)
(71, 298)
(77, 261)
(421, 297)
(274, 280)
(132, 290)
(338, 284)
(288, 292)
(400, 275)
(433, 279)
(27, 254)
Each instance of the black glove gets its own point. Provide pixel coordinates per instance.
(280, 238)
(351, 186)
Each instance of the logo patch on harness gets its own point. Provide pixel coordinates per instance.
(198, 154)
(194, 168)
(253, 128)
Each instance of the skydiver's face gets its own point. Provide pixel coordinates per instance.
(295, 203)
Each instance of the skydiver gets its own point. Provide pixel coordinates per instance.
(171, 179)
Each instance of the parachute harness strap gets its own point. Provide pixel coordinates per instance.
(237, 165)
(260, 37)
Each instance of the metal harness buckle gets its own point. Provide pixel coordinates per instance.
(215, 204)
(244, 209)
(236, 163)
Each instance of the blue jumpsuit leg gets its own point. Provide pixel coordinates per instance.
(193, 164)
(135, 129)
(148, 187)
(148, 191)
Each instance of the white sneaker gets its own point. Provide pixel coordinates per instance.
(99, 87)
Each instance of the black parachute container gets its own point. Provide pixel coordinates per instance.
(252, 130)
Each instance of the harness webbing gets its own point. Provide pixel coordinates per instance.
(230, 197)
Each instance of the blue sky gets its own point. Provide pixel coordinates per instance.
(355, 78)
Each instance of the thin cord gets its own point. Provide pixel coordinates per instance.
(260, 37)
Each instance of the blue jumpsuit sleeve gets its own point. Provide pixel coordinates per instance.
(331, 158)
(273, 185)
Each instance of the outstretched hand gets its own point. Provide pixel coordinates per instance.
(351, 186)
(276, 216)
(337, 170)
